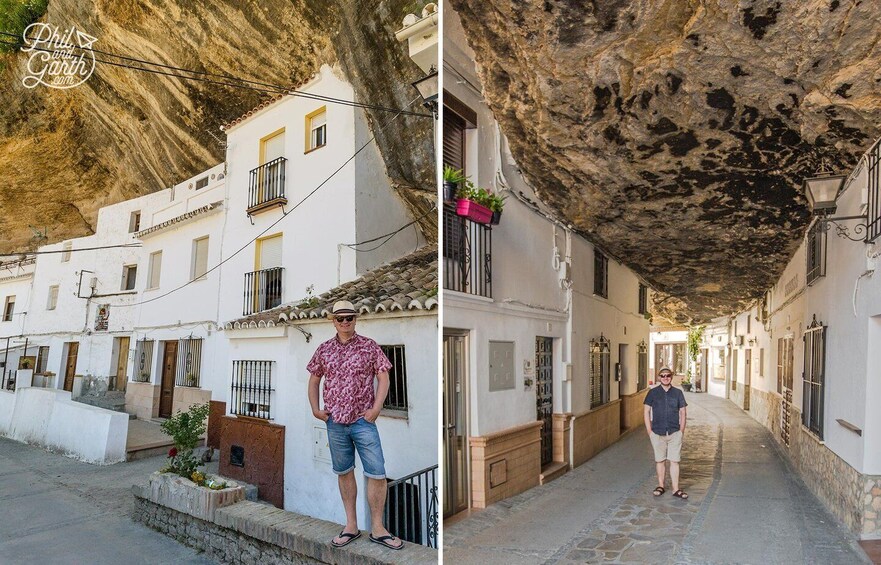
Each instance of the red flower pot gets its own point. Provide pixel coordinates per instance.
(473, 211)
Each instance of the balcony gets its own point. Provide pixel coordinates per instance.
(266, 186)
(263, 290)
(467, 255)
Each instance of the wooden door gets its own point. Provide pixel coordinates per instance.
(70, 366)
(122, 363)
(166, 392)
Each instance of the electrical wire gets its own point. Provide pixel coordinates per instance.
(284, 215)
(133, 245)
(388, 236)
(239, 82)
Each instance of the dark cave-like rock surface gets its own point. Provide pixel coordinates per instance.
(676, 133)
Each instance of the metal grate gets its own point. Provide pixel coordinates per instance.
(873, 211)
(252, 389)
(816, 253)
(600, 354)
(411, 507)
(643, 299)
(467, 253)
(189, 362)
(814, 376)
(267, 183)
(263, 290)
(396, 399)
(642, 354)
(600, 274)
(544, 391)
(143, 360)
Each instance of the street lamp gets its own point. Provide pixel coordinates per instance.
(427, 87)
(822, 191)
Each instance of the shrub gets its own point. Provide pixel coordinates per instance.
(185, 428)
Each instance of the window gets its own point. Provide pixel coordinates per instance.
(816, 253)
(65, 251)
(154, 270)
(129, 277)
(134, 222)
(143, 360)
(52, 301)
(200, 258)
(397, 391)
(600, 274)
(643, 299)
(201, 183)
(762, 362)
(8, 308)
(599, 371)
(316, 129)
(189, 362)
(814, 377)
(749, 322)
(252, 389)
(784, 364)
(42, 359)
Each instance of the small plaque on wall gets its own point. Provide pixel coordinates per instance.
(498, 473)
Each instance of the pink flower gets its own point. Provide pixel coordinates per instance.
(172, 452)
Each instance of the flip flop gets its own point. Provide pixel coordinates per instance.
(347, 536)
(681, 494)
(384, 540)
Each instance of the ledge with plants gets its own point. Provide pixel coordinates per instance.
(473, 202)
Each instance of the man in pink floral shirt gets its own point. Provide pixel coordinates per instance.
(349, 363)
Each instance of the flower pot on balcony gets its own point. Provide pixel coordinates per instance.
(450, 189)
(473, 211)
(497, 217)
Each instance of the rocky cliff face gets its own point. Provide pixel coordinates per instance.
(676, 133)
(124, 133)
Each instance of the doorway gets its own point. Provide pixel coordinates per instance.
(747, 373)
(455, 437)
(544, 395)
(120, 378)
(169, 365)
(70, 364)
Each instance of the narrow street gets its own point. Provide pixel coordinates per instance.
(745, 506)
(61, 511)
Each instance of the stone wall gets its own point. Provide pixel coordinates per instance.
(505, 463)
(765, 408)
(595, 430)
(632, 410)
(736, 395)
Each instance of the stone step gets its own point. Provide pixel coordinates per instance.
(553, 471)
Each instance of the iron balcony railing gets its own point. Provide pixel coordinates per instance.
(873, 211)
(263, 290)
(266, 185)
(411, 507)
(252, 389)
(467, 255)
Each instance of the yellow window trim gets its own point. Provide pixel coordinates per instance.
(263, 141)
(308, 138)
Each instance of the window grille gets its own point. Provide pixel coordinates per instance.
(397, 391)
(600, 274)
(42, 359)
(873, 211)
(189, 362)
(816, 253)
(642, 354)
(600, 355)
(252, 389)
(643, 299)
(813, 377)
(784, 364)
(143, 360)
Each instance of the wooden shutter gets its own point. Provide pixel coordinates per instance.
(454, 140)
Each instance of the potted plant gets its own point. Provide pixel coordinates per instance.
(496, 203)
(186, 429)
(686, 382)
(452, 179)
(473, 203)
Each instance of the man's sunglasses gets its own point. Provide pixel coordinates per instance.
(342, 319)
(666, 376)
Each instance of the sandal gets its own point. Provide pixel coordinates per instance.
(680, 494)
(385, 540)
(349, 538)
(659, 491)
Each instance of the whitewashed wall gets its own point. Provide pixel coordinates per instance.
(409, 445)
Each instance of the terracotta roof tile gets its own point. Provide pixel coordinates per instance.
(268, 102)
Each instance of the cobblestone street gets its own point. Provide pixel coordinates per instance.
(745, 506)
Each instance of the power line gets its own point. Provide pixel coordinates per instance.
(240, 82)
(284, 215)
(69, 250)
(387, 236)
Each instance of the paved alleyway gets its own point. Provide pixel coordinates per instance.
(745, 506)
(59, 511)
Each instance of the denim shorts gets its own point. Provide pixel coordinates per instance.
(362, 435)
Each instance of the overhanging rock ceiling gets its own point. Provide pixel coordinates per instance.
(676, 133)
